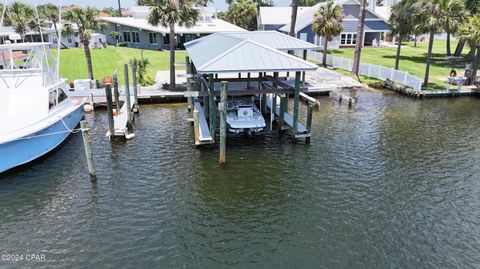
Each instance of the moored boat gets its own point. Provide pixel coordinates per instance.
(244, 116)
(36, 113)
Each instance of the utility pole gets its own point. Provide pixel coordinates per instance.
(119, 9)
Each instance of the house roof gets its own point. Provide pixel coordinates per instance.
(275, 40)
(238, 53)
(306, 16)
(215, 25)
(384, 12)
(8, 30)
(103, 14)
(277, 15)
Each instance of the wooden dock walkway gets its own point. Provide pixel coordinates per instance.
(121, 119)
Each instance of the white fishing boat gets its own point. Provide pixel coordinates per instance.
(244, 116)
(35, 112)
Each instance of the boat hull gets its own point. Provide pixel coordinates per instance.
(28, 148)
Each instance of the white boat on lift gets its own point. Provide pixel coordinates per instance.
(35, 111)
(244, 116)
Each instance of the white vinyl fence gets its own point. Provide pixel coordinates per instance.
(369, 70)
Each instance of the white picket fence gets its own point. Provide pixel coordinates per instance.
(369, 70)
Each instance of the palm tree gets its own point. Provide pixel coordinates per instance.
(473, 7)
(87, 23)
(469, 32)
(432, 21)
(49, 12)
(359, 42)
(401, 24)
(455, 14)
(293, 20)
(328, 23)
(168, 13)
(21, 17)
(258, 4)
(242, 13)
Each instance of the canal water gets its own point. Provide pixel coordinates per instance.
(391, 183)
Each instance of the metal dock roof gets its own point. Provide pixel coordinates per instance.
(247, 52)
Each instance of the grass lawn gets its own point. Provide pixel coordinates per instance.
(412, 60)
(73, 64)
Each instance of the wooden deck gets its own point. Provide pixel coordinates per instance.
(121, 119)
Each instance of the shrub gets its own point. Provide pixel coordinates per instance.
(142, 76)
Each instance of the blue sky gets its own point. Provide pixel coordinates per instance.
(220, 4)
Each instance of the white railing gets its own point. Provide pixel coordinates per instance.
(369, 70)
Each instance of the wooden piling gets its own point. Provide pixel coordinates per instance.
(88, 149)
(263, 103)
(116, 93)
(223, 121)
(135, 86)
(127, 96)
(281, 114)
(309, 121)
(273, 110)
(283, 103)
(196, 127)
(189, 86)
(108, 95)
(303, 73)
(296, 100)
(212, 115)
(206, 107)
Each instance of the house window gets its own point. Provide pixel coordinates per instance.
(69, 41)
(127, 37)
(303, 36)
(188, 37)
(153, 38)
(348, 39)
(136, 37)
(166, 39)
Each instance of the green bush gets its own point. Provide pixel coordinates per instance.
(142, 76)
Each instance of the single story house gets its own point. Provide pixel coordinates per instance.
(136, 32)
(376, 27)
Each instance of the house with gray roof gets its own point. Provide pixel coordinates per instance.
(376, 27)
(136, 32)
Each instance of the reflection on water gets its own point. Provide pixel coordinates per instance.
(392, 182)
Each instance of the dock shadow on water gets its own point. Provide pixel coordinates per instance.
(390, 183)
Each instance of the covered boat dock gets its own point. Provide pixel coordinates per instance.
(255, 64)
